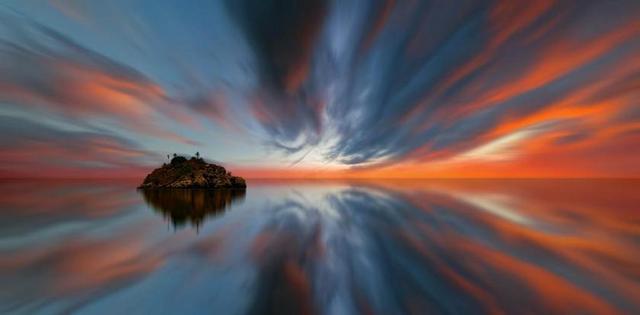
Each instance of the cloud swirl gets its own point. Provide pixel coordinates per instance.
(355, 88)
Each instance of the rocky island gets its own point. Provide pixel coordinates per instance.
(191, 173)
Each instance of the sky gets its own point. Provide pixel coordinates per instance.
(286, 88)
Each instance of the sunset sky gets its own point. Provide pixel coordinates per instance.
(338, 88)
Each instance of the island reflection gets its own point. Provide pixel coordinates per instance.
(191, 206)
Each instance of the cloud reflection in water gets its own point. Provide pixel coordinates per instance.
(436, 247)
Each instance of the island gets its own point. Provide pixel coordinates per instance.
(191, 173)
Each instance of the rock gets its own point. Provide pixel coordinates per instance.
(191, 173)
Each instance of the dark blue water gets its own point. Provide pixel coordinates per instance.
(388, 247)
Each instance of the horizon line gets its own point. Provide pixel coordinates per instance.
(343, 178)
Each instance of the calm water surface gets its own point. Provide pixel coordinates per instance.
(331, 247)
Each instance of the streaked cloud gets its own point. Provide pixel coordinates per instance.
(334, 88)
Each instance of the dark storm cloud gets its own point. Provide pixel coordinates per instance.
(282, 33)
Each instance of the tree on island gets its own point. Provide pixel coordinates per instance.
(197, 155)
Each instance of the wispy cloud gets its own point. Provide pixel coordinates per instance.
(433, 89)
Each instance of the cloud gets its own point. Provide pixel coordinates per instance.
(503, 148)
(34, 149)
(66, 75)
(362, 84)
(47, 69)
(483, 68)
(282, 34)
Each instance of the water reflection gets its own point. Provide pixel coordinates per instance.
(430, 247)
(191, 206)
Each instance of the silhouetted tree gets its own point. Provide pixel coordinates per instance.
(198, 154)
(174, 155)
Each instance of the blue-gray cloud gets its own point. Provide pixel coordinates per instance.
(361, 82)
